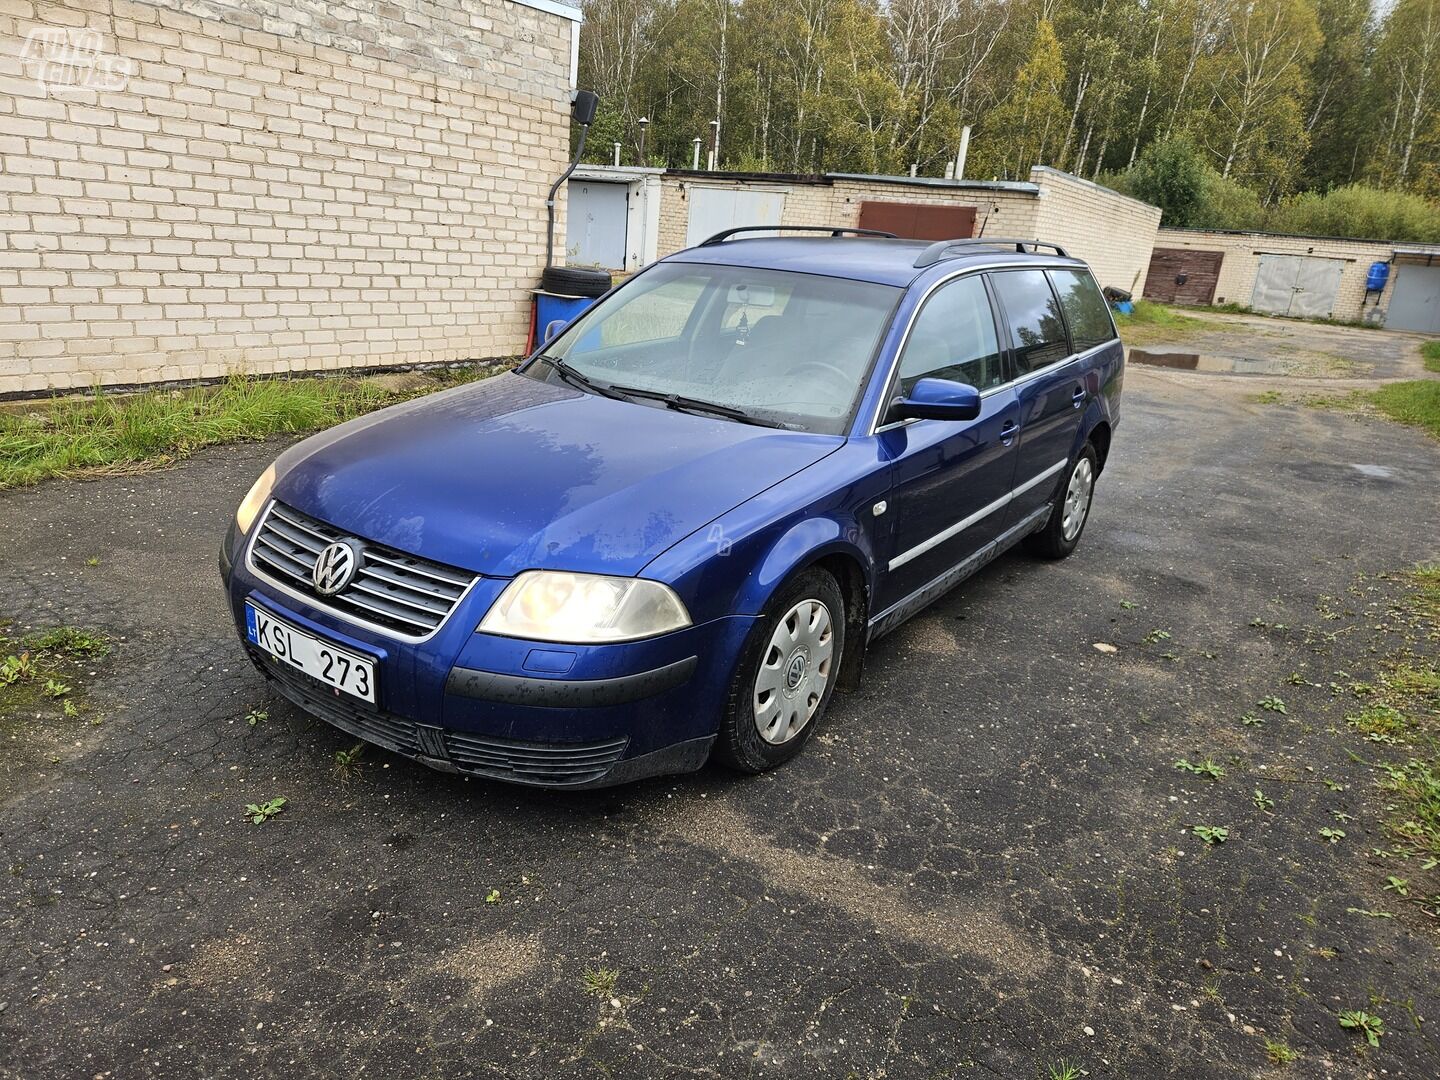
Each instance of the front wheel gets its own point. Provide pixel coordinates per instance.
(785, 676)
(1070, 510)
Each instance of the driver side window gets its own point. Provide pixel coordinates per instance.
(954, 338)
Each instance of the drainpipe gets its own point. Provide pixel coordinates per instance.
(582, 111)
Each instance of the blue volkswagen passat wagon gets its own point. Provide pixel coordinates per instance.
(673, 531)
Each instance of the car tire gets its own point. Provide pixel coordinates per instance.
(575, 281)
(775, 701)
(1070, 510)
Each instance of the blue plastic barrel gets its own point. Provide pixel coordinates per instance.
(1377, 276)
(550, 307)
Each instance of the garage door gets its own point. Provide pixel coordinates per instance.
(595, 224)
(715, 209)
(1299, 285)
(1183, 275)
(1415, 301)
(919, 221)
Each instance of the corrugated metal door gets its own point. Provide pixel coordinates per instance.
(919, 221)
(1415, 301)
(1299, 285)
(595, 224)
(1183, 275)
(715, 209)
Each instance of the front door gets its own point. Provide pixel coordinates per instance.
(1049, 389)
(949, 479)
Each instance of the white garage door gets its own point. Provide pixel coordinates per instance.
(1299, 285)
(595, 223)
(1415, 301)
(714, 209)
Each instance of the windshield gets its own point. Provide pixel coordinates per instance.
(787, 349)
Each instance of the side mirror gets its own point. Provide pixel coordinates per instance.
(552, 330)
(938, 399)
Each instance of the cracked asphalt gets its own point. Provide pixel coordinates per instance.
(982, 866)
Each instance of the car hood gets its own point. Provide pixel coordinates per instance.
(512, 474)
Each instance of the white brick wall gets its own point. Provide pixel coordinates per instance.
(1112, 232)
(282, 185)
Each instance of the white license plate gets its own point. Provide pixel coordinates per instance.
(334, 666)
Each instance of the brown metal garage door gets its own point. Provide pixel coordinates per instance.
(919, 221)
(1183, 275)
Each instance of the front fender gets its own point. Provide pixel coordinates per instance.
(735, 564)
(805, 543)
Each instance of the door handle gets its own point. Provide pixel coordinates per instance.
(1078, 397)
(1008, 432)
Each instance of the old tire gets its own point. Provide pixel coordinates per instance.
(574, 281)
(1070, 510)
(786, 675)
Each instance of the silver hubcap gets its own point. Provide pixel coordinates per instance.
(794, 672)
(1077, 498)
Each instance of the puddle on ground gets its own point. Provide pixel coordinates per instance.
(1230, 365)
(1309, 364)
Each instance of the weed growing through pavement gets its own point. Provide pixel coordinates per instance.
(600, 982)
(347, 762)
(256, 716)
(1207, 768)
(1367, 1024)
(1279, 1052)
(1272, 704)
(1212, 834)
(259, 813)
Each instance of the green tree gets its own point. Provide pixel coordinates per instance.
(1028, 127)
(1171, 174)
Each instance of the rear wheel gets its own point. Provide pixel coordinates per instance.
(1070, 510)
(786, 675)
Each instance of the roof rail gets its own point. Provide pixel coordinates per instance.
(833, 230)
(941, 249)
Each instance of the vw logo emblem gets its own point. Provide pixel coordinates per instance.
(336, 567)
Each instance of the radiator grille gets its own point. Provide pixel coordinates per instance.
(399, 592)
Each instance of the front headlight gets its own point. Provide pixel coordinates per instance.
(584, 609)
(251, 505)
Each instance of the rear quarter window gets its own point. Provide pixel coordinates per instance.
(1085, 309)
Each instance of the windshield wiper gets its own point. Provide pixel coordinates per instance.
(681, 403)
(583, 381)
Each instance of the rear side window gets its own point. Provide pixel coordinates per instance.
(1037, 331)
(954, 338)
(1085, 309)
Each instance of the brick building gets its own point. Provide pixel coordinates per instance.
(193, 187)
(1310, 276)
(1113, 232)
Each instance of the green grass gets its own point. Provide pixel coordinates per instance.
(1152, 322)
(115, 433)
(1430, 353)
(1416, 402)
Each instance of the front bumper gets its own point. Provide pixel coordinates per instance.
(525, 712)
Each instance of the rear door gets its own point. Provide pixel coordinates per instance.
(949, 478)
(1049, 388)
